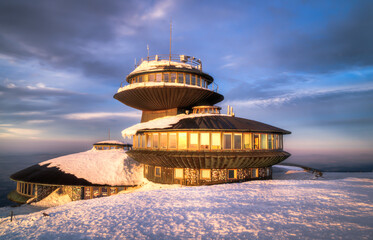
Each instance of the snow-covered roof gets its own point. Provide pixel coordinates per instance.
(111, 142)
(153, 65)
(93, 167)
(159, 123)
(203, 121)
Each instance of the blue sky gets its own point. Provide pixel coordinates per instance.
(305, 66)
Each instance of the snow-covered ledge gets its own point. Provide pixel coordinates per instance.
(161, 123)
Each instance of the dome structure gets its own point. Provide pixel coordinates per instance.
(102, 171)
(183, 138)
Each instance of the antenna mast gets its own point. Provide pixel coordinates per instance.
(170, 38)
(109, 133)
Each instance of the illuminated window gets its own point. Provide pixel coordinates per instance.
(104, 191)
(254, 173)
(166, 77)
(193, 138)
(146, 170)
(163, 140)
(187, 79)
(205, 140)
(205, 173)
(270, 141)
(180, 78)
(173, 77)
(182, 141)
(179, 173)
(247, 141)
(143, 140)
(276, 141)
(215, 141)
(157, 171)
(155, 140)
(148, 140)
(227, 140)
(256, 141)
(172, 141)
(237, 137)
(232, 173)
(263, 141)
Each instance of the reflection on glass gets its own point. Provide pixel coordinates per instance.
(247, 141)
(182, 141)
(205, 141)
(263, 141)
(215, 141)
(173, 77)
(237, 141)
(163, 140)
(155, 140)
(187, 78)
(227, 141)
(172, 141)
(180, 78)
(256, 141)
(193, 141)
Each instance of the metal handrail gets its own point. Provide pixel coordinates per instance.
(212, 87)
(194, 62)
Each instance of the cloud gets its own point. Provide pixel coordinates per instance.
(101, 115)
(39, 121)
(285, 98)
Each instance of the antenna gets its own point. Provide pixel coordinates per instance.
(147, 46)
(170, 37)
(109, 133)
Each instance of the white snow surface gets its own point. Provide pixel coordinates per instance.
(152, 65)
(107, 167)
(338, 206)
(110, 142)
(161, 123)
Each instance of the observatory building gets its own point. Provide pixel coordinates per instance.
(183, 138)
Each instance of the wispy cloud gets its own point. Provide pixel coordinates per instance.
(285, 98)
(39, 121)
(101, 115)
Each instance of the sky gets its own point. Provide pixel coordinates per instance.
(304, 66)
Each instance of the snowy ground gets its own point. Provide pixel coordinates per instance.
(339, 206)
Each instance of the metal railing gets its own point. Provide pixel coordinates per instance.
(192, 61)
(212, 87)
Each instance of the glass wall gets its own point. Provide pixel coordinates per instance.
(173, 77)
(203, 140)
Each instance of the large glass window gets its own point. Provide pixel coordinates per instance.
(166, 77)
(227, 140)
(187, 78)
(205, 140)
(148, 140)
(151, 77)
(173, 77)
(146, 78)
(205, 173)
(256, 141)
(276, 143)
(193, 79)
(215, 141)
(182, 141)
(193, 141)
(180, 78)
(172, 140)
(270, 141)
(254, 173)
(198, 81)
(263, 141)
(155, 140)
(247, 141)
(179, 173)
(237, 137)
(143, 140)
(158, 77)
(163, 140)
(138, 141)
(140, 78)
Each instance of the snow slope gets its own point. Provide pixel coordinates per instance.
(337, 207)
(106, 167)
